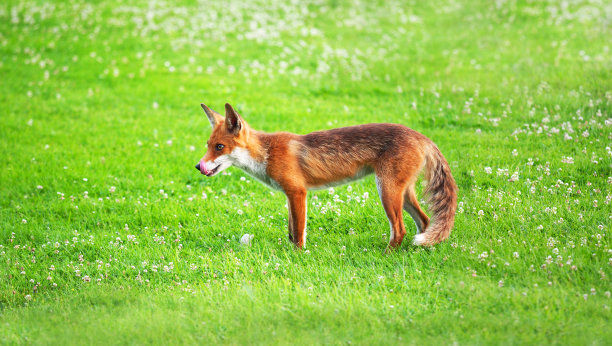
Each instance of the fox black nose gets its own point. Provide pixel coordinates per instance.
(198, 166)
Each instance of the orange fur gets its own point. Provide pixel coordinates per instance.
(297, 163)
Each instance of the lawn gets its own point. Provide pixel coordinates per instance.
(108, 235)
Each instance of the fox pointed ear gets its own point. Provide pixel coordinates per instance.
(233, 121)
(213, 116)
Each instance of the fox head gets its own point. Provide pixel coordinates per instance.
(229, 135)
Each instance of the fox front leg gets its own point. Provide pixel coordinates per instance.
(290, 223)
(297, 217)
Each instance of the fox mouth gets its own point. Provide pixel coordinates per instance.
(210, 173)
(202, 168)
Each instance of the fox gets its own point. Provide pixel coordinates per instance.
(295, 164)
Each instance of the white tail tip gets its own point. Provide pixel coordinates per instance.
(419, 239)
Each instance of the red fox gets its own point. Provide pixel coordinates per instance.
(298, 163)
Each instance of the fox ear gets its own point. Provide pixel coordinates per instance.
(233, 121)
(213, 116)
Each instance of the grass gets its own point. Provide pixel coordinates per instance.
(109, 235)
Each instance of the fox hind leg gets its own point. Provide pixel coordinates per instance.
(391, 196)
(411, 205)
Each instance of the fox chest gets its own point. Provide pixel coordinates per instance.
(258, 170)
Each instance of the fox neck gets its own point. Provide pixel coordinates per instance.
(251, 149)
(253, 158)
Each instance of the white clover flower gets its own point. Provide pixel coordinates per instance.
(246, 239)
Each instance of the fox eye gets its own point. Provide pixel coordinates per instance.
(219, 147)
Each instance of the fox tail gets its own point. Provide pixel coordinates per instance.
(441, 192)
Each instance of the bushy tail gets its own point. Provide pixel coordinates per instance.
(441, 193)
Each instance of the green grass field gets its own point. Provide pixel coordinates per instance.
(108, 235)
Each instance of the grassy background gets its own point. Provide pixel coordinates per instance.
(109, 235)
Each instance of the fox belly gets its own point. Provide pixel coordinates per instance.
(363, 172)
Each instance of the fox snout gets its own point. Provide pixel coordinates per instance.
(204, 170)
